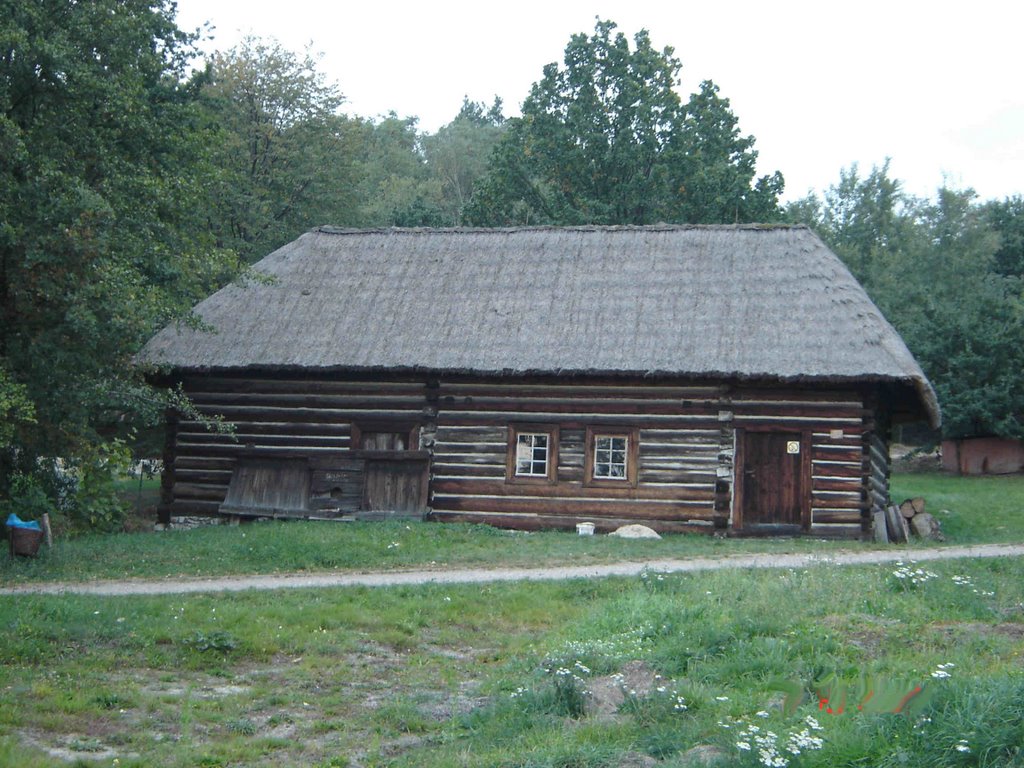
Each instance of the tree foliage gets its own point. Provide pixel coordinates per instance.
(938, 270)
(101, 186)
(458, 155)
(1006, 217)
(394, 185)
(606, 139)
(284, 154)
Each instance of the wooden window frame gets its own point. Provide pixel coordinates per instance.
(514, 430)
(632, 435)
(411, 431)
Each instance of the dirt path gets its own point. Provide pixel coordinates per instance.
(483, 575)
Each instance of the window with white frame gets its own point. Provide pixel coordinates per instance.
(533, 454)
(611, 456)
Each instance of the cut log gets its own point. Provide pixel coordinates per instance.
(879, 528)
(927, 527)
(897, 525)
(907, 509)
(918, 505)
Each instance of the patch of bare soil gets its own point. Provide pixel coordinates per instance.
(192, 689)
(977, 628)
(70, 747)
(864, 632)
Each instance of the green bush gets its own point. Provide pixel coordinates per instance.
(28, 498)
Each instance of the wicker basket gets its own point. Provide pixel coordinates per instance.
(24, 541)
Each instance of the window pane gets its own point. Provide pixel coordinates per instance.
(532, 454)
(610, 456)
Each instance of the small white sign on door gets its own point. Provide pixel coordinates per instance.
(792, 446)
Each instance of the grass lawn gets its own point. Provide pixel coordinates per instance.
(474, 676)
(979, 510)
(972, 510)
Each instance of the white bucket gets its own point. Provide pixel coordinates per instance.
(585, 529)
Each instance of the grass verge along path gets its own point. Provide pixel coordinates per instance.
(484, 576)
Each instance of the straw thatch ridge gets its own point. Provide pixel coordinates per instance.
(746, 301)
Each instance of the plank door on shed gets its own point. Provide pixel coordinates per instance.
(394, 486)
(773, 485)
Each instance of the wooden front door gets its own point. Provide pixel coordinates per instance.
(395, 486)
(774, 488)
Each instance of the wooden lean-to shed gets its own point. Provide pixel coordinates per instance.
(690, 378)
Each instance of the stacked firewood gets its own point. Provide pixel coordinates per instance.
(898, 523)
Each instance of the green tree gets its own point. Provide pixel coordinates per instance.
(714, 167)
(102, 183)
(1006, 217)
(963, 320)
(933, 269)
(285, 154)
(605, 139)
(394, 185)
(458, 155)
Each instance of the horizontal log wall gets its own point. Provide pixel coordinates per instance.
(685, 461)
(288, 418)
(679, 443)
(836, 422)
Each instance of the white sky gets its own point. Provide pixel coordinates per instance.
(936, 85)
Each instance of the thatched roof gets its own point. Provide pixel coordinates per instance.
(744, 302)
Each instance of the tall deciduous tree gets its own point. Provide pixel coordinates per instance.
(933, 269)
(606, 139)
(1006, 217)
(868, 220)
(284, 152)
(715, 167)
(458, 155)
(394, 185)
(101, 184)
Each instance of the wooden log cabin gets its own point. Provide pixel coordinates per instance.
(733, 379)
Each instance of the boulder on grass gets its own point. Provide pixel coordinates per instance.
(635, 532)
(606, 694)
(926, 526)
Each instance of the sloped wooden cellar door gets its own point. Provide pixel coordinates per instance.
(268, 487)
(772, 483)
